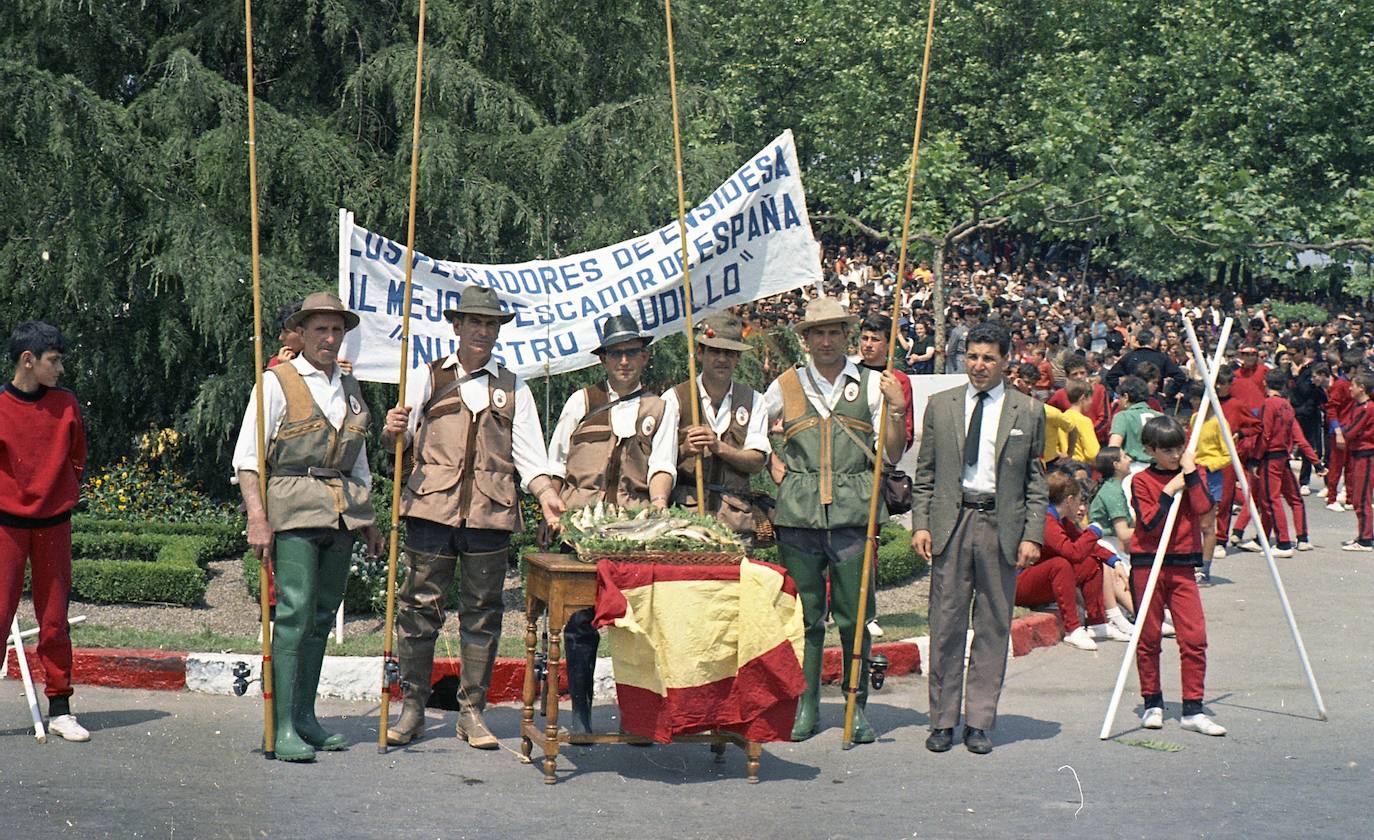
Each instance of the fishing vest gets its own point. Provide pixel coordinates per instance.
(464, 473)
(829, 477)
(309, 461)
(727, 489)
(604, 468)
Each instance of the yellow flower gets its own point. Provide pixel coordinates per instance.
(121, 507)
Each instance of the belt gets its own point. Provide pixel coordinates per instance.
(983, 504)
(309, 472)
(1363, 453)
(1274, 456)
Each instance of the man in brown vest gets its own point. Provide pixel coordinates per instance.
(733, 436)
(614, 443)
(318, 486)
(477, 430)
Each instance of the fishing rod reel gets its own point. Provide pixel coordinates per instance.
(241, 672)
(391, 674)
(877, 671)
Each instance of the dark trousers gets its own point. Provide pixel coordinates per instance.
(1312, 429)
(970, 570)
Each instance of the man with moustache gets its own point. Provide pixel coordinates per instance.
(476, 436)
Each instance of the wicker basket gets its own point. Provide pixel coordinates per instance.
(671, 558)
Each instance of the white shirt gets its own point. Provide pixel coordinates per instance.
(756, 431)
(982, 477)
(828, 396)
(662, 451)
(527, 434)
(325, 389)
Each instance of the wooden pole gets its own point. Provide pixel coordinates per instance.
(695, 397)
(269, 733)
(399, 453)
(871, 542)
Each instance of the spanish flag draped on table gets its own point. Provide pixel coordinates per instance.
(706, 647)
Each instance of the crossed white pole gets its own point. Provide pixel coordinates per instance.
(1209, 376)
(16, 640)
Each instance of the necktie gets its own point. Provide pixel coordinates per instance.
(975, 430)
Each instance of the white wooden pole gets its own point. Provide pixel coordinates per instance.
(17, 639)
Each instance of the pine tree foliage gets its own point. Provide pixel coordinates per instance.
(124, 164)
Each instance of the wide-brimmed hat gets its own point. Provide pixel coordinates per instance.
(722, 331)
(478, 300)
(322, 303)
(620, 329)
(823, 311)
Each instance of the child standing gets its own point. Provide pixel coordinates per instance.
(1279, 432)
(42, 457)
(1359, 458)
(1174, 471)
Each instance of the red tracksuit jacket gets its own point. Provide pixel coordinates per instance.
(1151, 506)
(1279, 431)
(1359, 428)
(1339, 401)
(1100, 412)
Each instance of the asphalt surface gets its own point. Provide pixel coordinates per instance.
(182, 765)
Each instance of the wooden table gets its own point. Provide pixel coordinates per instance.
(560, 585)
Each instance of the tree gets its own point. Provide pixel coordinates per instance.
(125, 200)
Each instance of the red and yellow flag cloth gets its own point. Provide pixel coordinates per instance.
(697, 648)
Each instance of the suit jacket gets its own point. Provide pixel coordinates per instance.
(937, 487)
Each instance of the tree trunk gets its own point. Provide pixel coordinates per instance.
(937, 304)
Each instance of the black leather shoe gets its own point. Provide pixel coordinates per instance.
(940, 740)
(977, 741)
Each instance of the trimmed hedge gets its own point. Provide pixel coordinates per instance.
(117, 568)
(226, 540)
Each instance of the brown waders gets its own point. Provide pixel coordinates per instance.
(419, 619)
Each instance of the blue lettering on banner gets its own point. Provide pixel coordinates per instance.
(393, 253)
(360, 285)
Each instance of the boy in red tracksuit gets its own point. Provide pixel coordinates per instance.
(1359, 464)
(1339, 401)
(1245, 430)
(1076, 367)
(1279, 433)
(42, 457)
(1174, 471)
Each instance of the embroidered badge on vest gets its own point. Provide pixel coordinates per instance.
(353, 404)
(498, 398)
(851, 391)
(742, 416)
(647, 427)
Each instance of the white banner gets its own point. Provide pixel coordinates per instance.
(751, 238)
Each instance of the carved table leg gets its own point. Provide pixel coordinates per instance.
(528, 694)
(752, 751)
(551, 693)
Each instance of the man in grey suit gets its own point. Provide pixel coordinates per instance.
(979, 516)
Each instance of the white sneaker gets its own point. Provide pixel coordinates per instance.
(66, 728)
(1283, 552)
(1080, 639)
(1219, 553)
(1305, 545)
(1349, 507)
(1354, 546)
(1340, 496)
(1337, 507)
(1153, 718)
(1305, 490)
(1109, 632)
(1250, 545)
(1202, 723)
(874, 629)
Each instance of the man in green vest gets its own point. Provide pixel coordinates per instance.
(830, 410)
(318, 486)
(732, 438)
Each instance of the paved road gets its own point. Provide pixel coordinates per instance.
(181, 765)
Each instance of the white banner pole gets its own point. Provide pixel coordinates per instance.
(17, 640)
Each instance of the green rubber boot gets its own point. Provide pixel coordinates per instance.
(285, 672)
(809, 706)
(863, 733)
(307, 686)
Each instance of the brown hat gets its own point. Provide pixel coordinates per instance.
(322, 303)
(478, 300)
(722, 331)
(823, 311)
